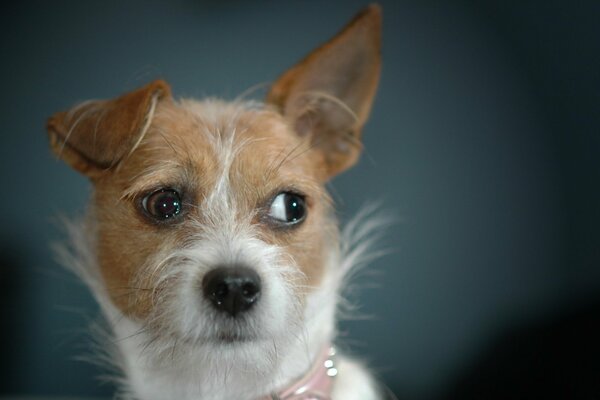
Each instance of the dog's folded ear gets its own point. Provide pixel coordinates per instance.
(328, 95)
(95, 136)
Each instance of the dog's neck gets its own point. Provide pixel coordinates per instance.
(235, 371)
(317, 384)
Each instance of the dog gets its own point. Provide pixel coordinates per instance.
(211, 242)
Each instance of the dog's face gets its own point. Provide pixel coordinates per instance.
(214, 187)
(213, 223)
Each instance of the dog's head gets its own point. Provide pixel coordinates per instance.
(212, 221)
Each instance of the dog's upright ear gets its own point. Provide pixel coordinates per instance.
(96, 135)
(328, 95)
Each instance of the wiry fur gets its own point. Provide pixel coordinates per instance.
(122, 337)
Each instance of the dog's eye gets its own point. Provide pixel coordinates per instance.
(162, 204)
(288, 208)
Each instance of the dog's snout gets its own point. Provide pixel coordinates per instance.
(232, 290)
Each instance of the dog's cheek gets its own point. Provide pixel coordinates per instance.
(311, 250)
(125, 244)
(308, 245)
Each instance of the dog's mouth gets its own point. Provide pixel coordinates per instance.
(234, 332)
(232, 337)
(228, 333)
(219, 338)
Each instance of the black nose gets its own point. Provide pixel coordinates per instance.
(231, 289)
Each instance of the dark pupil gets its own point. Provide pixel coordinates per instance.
(165, 204)
(294, 208)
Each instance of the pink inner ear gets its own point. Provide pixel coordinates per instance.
(303, 125)
(328, 95)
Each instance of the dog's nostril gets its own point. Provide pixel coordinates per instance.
(232, 289)
(249, 289)
(220, 292)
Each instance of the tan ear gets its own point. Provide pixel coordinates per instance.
(96, 135)
(328, 95)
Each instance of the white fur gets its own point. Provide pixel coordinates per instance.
(245, 371)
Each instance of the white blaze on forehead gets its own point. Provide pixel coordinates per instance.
(221, 197)
(224, 131)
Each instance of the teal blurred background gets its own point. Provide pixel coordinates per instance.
(484, 140)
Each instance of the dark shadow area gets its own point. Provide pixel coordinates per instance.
(556, 357)
(38, 327)
(13, 314)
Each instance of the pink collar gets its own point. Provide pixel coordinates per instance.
(316, 384)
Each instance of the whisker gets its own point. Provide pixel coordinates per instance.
(143, 329)
(148, 344)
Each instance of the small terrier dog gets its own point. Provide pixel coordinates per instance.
(210, 241)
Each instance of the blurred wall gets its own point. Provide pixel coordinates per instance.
(484, 141)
